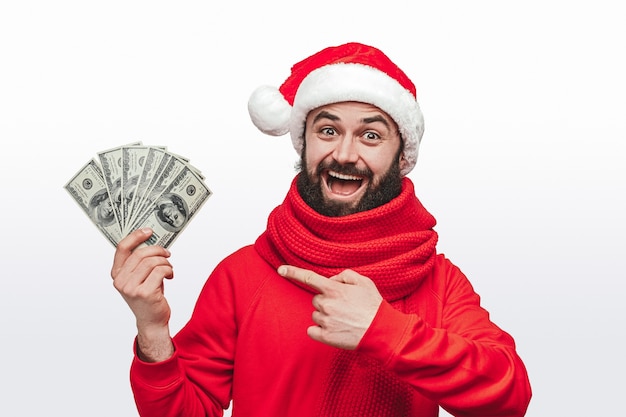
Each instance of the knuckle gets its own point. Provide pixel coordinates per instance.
(141, 292)
(125, 244)
(117, 285)
(315, 316)
(317, 301)
(308, 278)
(155, 262)
(325, 323)
(123, 288)
(163, 270)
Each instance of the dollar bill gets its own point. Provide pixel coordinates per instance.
(148, 174)
(171, 210)
(168, 169)
(89, 190)
(134, 158)
(111, 163)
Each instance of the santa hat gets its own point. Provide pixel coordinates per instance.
(349, 72)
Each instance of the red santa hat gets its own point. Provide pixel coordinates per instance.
(349, 72)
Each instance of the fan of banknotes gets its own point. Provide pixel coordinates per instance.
(135, 186)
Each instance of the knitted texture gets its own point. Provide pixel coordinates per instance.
(394, 244)
(382, 393)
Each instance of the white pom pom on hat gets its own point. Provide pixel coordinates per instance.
(349, 72)
(269, 111)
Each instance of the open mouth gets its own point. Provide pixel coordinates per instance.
(343, 184)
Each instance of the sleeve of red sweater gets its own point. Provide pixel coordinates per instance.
(468, 365)
(196, 380)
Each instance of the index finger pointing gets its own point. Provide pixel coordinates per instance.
(306, 277)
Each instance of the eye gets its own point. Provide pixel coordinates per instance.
(328, 131)
(370, 136)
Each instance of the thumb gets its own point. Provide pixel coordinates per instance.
(347, 276)
(127, 245)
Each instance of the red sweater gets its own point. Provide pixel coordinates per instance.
(246, 342)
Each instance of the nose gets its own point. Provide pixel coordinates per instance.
(346, 151)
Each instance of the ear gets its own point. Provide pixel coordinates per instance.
(403, 162)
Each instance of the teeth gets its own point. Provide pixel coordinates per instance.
(343, 176)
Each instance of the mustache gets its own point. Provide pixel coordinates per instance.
(346, 169)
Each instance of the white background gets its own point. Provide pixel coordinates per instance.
(522, 163)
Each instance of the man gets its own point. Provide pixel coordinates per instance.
(171, 212)
(342, 307)
(101, 209)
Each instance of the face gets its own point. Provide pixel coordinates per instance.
(104, 210)
(352, 159)
(172, 215)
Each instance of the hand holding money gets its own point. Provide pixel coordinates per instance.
(135, 186)
(138, 275)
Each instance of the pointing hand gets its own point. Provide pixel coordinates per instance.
(344, 306)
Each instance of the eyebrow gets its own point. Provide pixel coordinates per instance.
(327, 115)
(377, 118)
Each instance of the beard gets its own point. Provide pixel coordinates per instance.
(310, 188)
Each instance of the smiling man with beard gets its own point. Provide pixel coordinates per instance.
(342, 307)
(341, 182)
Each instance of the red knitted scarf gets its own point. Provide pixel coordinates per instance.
(394, 244)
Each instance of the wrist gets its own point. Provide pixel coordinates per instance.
(154, 344)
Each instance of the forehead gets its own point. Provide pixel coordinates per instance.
(350, 109)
